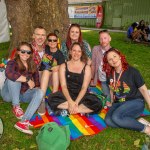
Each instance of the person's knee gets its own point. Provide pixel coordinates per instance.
(117, 119)
(39, 93)
(108, 120)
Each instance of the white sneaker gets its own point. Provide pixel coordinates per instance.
(143, 121)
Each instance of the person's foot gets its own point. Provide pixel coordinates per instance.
(23, 127)
(85, 114)
(18, 112)
(147, 130)
(62, 113)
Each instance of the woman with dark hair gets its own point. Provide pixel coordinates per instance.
(74, 35)
(141, 27)
(51, 61)
(22, 84)
(75, 77)
(128, 91)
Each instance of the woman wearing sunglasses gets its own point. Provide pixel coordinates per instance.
(22, 84)
(128, 91)
(74, 35)
(75, 77)
(51, 60)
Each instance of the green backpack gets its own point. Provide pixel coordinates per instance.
(53, 137)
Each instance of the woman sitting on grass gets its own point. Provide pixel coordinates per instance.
(22, 84)
(75, 76)
(128, 92)
(74, 35)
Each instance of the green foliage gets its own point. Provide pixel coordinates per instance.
(109, 139)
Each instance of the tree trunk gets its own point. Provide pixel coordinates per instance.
(25, 15)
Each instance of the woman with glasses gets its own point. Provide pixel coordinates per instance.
(128, 91)
(51, 60)
(75, 76)
(22, 85)
(74, 35)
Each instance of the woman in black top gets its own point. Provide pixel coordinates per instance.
(128, 91)
(75, 77)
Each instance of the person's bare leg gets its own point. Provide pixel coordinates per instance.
(45, 75)
(45, 80)
(63, 105)
(83, 109)
(55, 81)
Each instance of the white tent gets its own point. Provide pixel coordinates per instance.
(4, 25)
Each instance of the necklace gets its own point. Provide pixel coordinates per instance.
(115, 83)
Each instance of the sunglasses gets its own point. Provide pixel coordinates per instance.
(52, 40)
(25, 51)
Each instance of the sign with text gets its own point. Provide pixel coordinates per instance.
(82, 11)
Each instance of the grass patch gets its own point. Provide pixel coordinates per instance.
(109, 139)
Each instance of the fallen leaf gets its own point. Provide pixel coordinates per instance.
(137, 143)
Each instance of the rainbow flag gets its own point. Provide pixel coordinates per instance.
(79, 125)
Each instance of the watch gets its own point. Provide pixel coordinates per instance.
(27, 79)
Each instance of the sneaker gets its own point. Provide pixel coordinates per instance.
(85, 114)
(18, 112)
(30, 124)
(41, 109)
(23, 127)
(143, 121)
(62, 113)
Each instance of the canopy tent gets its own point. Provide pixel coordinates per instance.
(4, 25)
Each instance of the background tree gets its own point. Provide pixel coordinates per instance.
(24, 15)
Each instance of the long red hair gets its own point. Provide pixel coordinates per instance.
(109, 69)
(68, 40)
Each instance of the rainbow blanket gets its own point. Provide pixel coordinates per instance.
(79, 125)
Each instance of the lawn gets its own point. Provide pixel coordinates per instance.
(109, 139)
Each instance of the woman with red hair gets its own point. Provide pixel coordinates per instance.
(128, 91)
(74, 35)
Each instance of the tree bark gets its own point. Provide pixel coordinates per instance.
(25, 15)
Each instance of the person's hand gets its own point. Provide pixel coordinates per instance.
(72, 107)
(31, 84)
(92, 83)
(108, 104)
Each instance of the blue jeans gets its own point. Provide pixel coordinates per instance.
(11, 93)
(105, 89)
(124, 114)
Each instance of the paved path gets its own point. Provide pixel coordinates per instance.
(97, 29)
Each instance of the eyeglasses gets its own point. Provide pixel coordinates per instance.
(25, 51)
(52, 40)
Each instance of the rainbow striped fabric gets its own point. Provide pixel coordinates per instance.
(79, 125)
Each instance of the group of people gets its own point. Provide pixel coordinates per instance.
(75, 67)
(139, 31)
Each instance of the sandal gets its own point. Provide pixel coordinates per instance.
(143, 121)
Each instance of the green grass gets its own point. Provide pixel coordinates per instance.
(109, 139)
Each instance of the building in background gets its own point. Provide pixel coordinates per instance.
(116, 14)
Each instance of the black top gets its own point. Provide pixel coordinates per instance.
(74, 82)
(127, 87)
(51, 59)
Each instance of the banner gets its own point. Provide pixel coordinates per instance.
(82, 11)
(4, 25)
